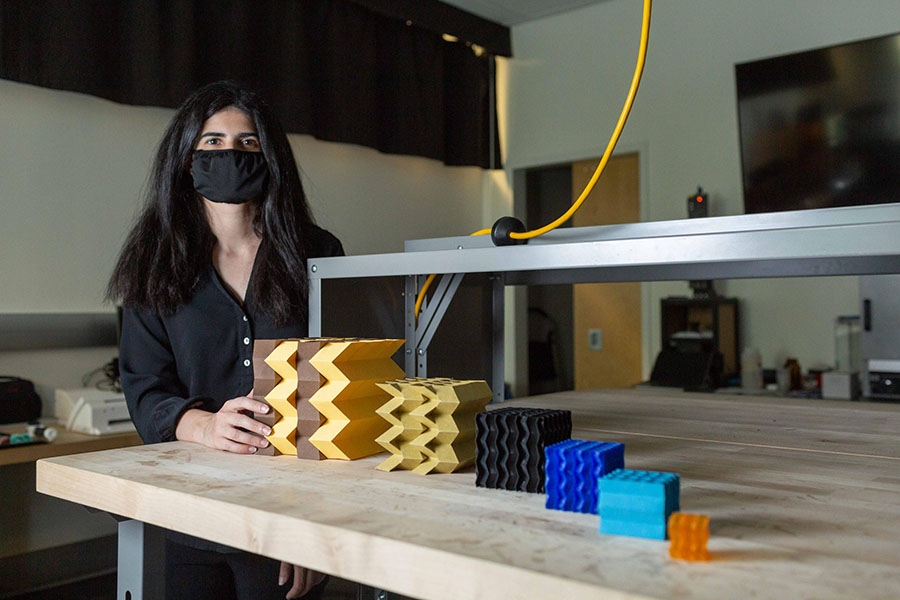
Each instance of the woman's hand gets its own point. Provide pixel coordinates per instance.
(231, 429)
(304, 579)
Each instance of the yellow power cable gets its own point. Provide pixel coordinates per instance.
(607, 154)
(421, 296)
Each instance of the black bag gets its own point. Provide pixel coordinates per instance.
(18, 401)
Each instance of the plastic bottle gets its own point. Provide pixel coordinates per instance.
(751, 369)
(794, 373)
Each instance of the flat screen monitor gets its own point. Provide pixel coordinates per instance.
(821, 128)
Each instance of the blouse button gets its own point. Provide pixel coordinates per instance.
(246, 341)
(245, 318)
(246, 362)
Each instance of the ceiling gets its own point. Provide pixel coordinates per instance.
(514, 12)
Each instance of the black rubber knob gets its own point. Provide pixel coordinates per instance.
(505, 226)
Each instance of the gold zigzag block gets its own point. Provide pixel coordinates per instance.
(283, 397)
(404, 428)
(285, 377)
(350, 395)
(432, 423)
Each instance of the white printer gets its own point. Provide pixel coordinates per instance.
(92, 411)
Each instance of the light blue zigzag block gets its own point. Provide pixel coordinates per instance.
(637, 503)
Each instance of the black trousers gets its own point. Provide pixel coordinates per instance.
(194, 574)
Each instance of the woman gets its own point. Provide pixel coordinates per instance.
(216, 260)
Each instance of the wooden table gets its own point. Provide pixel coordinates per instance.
(803, 495)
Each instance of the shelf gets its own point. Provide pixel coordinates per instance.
(67, 442)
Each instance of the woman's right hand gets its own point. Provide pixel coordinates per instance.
(231, 429)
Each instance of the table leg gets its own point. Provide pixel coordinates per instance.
(141, 562)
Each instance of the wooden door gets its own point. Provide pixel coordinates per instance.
(608, 313)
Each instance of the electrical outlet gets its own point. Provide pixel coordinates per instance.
(595, 339)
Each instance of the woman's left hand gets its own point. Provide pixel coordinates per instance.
(304, 579)
(232, 428)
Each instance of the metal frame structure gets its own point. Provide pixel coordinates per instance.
(862, 240)
(846, 241)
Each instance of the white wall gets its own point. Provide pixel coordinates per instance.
(568, 80)
(73, 168)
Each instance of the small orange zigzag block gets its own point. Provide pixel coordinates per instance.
(350, 395)
(688, 534)
(283, 397)
(443, 412)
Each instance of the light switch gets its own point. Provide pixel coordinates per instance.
(595, 339)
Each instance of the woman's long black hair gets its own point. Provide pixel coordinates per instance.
(170, 247)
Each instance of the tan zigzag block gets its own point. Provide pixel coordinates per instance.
(350, 395)
(309, 380)
(264, 380)
(264, 377)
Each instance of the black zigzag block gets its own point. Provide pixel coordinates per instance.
(510, 446)
(485, 450)
(542, 429)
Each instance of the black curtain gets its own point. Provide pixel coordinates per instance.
(351, 71)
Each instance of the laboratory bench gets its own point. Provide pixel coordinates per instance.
(803, 497)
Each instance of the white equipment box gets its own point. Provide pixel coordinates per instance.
(93, 411)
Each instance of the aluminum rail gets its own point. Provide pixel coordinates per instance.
(753, 222)
(854, 241)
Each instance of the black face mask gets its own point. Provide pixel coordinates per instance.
(230, 176)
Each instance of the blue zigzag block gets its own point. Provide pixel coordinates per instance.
(572, 470)
(638, 503)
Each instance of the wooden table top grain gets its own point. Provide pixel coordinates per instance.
(803, 498)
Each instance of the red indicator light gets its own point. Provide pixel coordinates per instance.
(699, 198)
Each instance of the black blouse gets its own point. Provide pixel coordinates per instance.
(202, 355)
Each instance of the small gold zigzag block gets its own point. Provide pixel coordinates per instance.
(432, 423)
